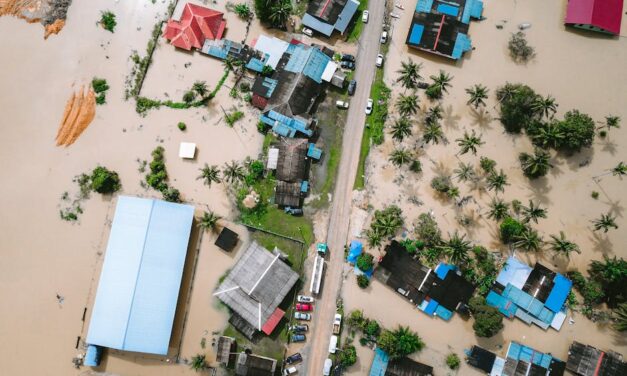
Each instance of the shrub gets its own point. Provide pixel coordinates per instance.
(372, 328)
(365, 262)
(510, 230)
(363, 281)
(595, 195)
(99, 84)
(603, 133)
(243, 11)
(105, 181)
(348, 355)
(171, 194)
(267, 70)
(516, 106)
(189, 96)
(412, 246)
(452, 361)
(182, 126)
(415, 166)
(248, 98)
(107, 20)
(234, 117)
(519, 49)
(356, 319)
(428, 231)
(400, 342)
(101, 98)
(261, 127)
(441, 184)
(488, 320)
(244, 87)
(578, 130)
(487, 164)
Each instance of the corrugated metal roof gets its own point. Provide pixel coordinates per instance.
(141, 276)
(346, 15)
(319, 26)
(559, 293)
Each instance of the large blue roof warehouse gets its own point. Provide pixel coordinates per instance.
(141, 276)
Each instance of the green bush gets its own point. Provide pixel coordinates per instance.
(412, 246)
(182, 126)
(452, 361)
(510, 230)
(189, 96)
(400, 342)
(441, 184)
(415, 166)
(372, 328)
(234, 117)
(516, 102)
(105, 181)
(99, 84)
(363, 281)
(101, 98)
(487, 164)
(578, 131)
(171, 194)
(594, 195)
(428, 231)
(365, 261)
(348, 355)
(107, 20)
(488, 320)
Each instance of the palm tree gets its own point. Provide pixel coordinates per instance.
(457, 248)
(407, 342)
(469, 142)
(620, 170)
(605, 222)
(506, 92)
(208, 221)
(546, 107)
(400, 156)
(533, 212)
(409, 74)
(612, 122)
(440, 85)
(433, 133)
(497, 182)
(198, 363)
(453, 192)
(499, 209)
(200, 87)
(477, 94)
(233, 172)
(549, 135)
(280, 12)
(464, 171)
(374, 237)
(529, 240)
(407, 104)
(536, 165)
(620, 318)
(401, 129)
(229, 62)
(560, 245)
(434, 114)
(209, 174)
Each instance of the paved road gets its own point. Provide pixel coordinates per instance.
(340, 209)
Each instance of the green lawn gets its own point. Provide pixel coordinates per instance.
(358, 25)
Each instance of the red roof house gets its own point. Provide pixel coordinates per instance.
(598, 15)
(197, 23)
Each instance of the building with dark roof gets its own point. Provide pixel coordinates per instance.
(482, 359)
(441, 27)
(196, 24)
(226, 346)
(520, 360)
(382, 365)
(326, 16)
(254, 365)
(598, 15)
(400, 271)
(256, 286)
(585, 360)
(292, 162)
(227, 240)
(287, 194)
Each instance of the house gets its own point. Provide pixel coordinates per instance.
(598, 15)
(254, 365)
(535, 295)
(141, 275)
(382, 365)
(441, 27)
(584, 360)
(255, 287)
(326, 16)
(438, 292)
(287, 194)
(226, 346)
(195, 25)
(520, 360)
(292, 161)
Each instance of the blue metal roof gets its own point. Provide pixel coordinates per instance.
(462, 44)
(442, 270)
(346, 15)
(379, 363)
(424, 6)
(141, 276)
(317, 25)
(559, 293)
(255, 65)
(309, 61)
(314, 152)
(416, 34)
(448, 9)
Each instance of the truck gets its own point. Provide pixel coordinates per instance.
(337, 323)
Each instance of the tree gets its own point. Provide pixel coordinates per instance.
(362, 281)
(401, 129)
(427, 230)
(611, 274)
(605, 222)
(199, 363)
(620, 170)
(107, 20)
(407, 104)
(409, 74)
(400, 156)
(348, 355)
(356, 319)
(516, 102)
(477, 95)
(105, 181)
(533, 212)
(233, 172)
(200, 87)
(464, 172)
(457, 248)
(280, 12)
(487, 164)
(497, 182)
(208, 221)
(469, 142)
(440, 85)
(441, 184)
(620, 318)
(243, 11)
(519, 50)
(612, 121)
(499, 209)
(536, 165)
(375, 237)
(263, 10)
(400, 342)
(547, 134)
(433, 133)
(434, 114)
(452, 361)
(488, 320)
(561, 246)
(209, 174)
(544, 106)
(365, 261)
(529, 240)
(510, 230)
(372, 329)
(578, 130)
(189, 96)
(387, 221)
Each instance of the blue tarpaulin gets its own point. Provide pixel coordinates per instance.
(416, 34)
(431, 307)
(379, 363)
(368, 273)
(141, 276)
(314, 152)
(355, 249)
(442, 270)
(92, 356)
(443, 313)
(559, 294)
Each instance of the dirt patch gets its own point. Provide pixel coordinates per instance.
(50, 13)
(54, 28)
(79, 112)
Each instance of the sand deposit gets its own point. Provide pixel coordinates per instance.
(50, 13)
(79, 112)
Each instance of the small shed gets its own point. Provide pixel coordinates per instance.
(273, 158)
(226, 346)
(227, 240)
(287, 194)
(187, 150)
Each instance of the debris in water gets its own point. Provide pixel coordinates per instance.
(524, 25)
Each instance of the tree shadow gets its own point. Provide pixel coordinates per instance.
(601, 243)
(540, 189)
(615, 207)
(577, 160)
(556, 170)
(450, 120)
(609, 146)
(481, 118)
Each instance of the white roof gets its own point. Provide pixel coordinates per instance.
(329, 70)
(187, 150)
(273, 158)
(273, 47)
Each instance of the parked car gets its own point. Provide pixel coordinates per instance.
(352, 85)
(302, 316)
(294, 358)
(304, 307)
(289, 371)
(299, 328)
(347, 65)
(341, 104)
(307, 32)
(364, 16)
(333, 344)
(298, 338)
(379, 60)
(347, 57)
(384, 37)
(305, 298)
(293, 211)
(326, 370)
(369, 105)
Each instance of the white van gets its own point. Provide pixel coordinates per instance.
(326, 370)
(333, 344)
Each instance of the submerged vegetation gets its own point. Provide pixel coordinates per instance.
(157, 177)
(100, 87)
(107, 20)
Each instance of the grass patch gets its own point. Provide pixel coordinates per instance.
(358, 25)
(361, 168)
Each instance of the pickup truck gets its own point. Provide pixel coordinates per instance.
(337, 323)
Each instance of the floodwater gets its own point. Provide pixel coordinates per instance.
(582, 71)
